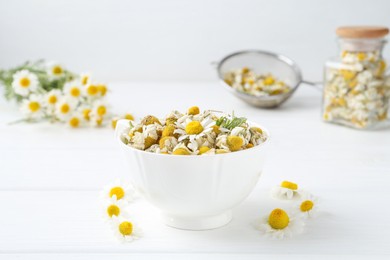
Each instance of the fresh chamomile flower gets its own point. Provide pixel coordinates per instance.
(75, 120)
(32, 107)
(113, 208)
(125, 230)
(287, 191)
(91, 90)
(119, 190)
(86, 112)
(24, 82)
(52, 97)
(64, 108)
(85, 79)
(308, 206)
(55, 70)
(102, 89)
(73, 90)
(100, 108)
(96, 120)
(279, 224)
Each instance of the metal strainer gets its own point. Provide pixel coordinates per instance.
(262, 62)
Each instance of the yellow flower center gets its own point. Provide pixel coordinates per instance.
(181, 151)
(163, 140)
(148, 120)
(269, 81)
(234, 142)
(74, 122)
(92, 90)
(347, 74)
(257, 129)
(101, 110)
(249, 146)
(307, 205)
(168, 131)
(25, 82)
(75, 92)
(194, 128)
(99, 121)
(289, 185)
(118, 191)
(52, 99)
(129, 116)
(126, 228)
(34, 106)
(113, 210)
(57, 70)
(204, 149)
(64, 108)
(361, 56)
(84, 80)
(149, 141)
(86, 113)
(102, 89)
(278, 219)
(113, 123)
(193, 111)
(216, 129)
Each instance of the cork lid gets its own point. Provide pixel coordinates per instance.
(362, 32)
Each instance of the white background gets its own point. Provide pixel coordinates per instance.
(176, 40)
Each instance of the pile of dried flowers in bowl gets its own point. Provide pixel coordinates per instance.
(193, 133)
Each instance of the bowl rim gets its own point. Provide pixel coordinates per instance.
(117, 137)
(280, 57)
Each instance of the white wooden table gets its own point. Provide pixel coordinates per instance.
(51, 177)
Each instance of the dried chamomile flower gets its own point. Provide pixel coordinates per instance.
(279, 224)
(125, 230)
(193, 133)
(247, 81)
(287, 191)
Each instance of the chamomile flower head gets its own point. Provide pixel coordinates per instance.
(73, 90)
(100, 108)
(52, 97)
(55, 70)
(195, 128)
(86, 111)
(279, 224)
(119, 190)
(308, 206)
(32, 107)
(91, 90)
(75, 120)
(102, 89)
(287, 191)
(24, 82)
(113, 208)
(96, 120)
(125, 229)
(65, 108)
(85, 79)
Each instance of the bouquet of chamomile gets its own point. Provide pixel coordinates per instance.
(47, 91)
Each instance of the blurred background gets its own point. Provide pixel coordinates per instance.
(175, 40)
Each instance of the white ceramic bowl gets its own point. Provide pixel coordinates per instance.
(194, 192)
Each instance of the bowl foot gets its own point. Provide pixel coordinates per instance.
(198, 223)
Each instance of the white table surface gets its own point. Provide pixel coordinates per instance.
(51, 177)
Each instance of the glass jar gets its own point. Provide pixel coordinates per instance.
(356, 88)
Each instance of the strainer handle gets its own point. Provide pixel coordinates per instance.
(316, 85)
